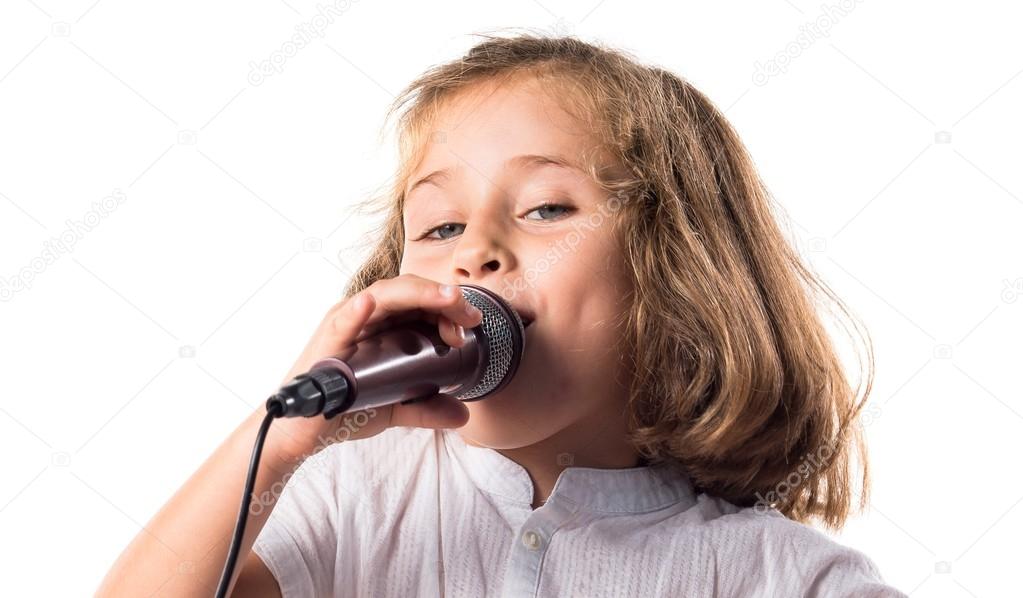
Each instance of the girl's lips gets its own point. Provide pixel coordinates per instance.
(526, 318)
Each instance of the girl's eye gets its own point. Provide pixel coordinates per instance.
(549, 206)
(448, 226)
(440, 229)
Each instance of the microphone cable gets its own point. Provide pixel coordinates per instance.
(320, 391)
(273, 411)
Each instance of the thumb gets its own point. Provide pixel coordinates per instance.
(437, 411)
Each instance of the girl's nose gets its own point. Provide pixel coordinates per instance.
(480, 252)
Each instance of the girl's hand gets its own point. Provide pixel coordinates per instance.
(378, 307)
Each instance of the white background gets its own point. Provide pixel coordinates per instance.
(892, 143)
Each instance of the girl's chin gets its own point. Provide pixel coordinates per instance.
(496, 440)
(494, 427)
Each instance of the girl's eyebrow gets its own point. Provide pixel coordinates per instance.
(431, 178)
(521, 162)
(536, 160)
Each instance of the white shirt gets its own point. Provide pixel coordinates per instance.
(418, 512)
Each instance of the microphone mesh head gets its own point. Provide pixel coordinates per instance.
(502, 341)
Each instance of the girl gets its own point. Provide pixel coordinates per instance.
(680, 413)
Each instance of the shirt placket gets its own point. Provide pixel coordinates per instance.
(530, 547)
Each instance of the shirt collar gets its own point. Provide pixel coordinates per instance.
(628, 490)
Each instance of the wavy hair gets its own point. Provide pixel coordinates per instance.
(733, 372)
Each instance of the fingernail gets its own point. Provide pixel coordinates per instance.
(447, 290)
(461, 331)
(471, 309)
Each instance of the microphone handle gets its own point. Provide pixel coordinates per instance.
(399, 365)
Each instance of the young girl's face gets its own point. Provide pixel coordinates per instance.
(479, 219)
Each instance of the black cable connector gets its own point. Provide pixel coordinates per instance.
(323, 391)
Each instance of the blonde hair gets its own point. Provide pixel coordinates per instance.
(733, 372)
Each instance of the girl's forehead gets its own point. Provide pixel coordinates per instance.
(491, 127)
(523, 99)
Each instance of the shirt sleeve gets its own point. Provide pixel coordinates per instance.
(850, 574)
(766, 555)
(299, 540)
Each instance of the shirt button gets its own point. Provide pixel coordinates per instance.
(532, 540)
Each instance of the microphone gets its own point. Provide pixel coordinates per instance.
(400, 365)
(410, 362)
